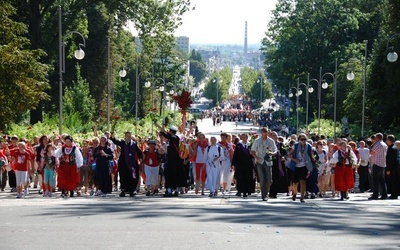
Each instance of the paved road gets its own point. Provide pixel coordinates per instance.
(197, 222)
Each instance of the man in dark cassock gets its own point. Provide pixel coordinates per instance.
(174, 172)
(279, 175)
(128, 164)
(244, 168)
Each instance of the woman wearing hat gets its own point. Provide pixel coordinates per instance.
(174, 171)
(70, 162)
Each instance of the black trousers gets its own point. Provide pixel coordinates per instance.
(3, 179)
(378, 177)
(12, 179)
(363, 173)
(394, 179)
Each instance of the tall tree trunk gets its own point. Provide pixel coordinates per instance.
(36, 115)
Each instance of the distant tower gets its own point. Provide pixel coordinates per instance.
(245, 38)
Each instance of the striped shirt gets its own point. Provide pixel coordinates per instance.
(378, 157)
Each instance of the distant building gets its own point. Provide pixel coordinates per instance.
(182, 44)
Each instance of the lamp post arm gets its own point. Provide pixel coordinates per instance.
(390, 39)
(80, 34)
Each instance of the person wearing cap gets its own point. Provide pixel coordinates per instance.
(262, 150)
(152, 161)
(128, 164)
(174, 172)
(70, 162)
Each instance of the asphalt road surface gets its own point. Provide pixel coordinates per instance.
(197, 222)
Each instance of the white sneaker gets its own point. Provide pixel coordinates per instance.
(26, 192)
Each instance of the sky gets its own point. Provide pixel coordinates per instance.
(223, 21)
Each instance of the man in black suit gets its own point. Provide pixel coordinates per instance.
(392, 167)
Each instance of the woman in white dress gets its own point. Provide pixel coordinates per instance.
(213, 161)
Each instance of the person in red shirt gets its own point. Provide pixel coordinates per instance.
(152, 161)
(31, 152)
(22, 165)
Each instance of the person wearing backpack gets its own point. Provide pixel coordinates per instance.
(302, 165)
(213, 161)
(199, 148)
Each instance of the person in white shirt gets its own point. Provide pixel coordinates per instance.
(262, 150)
(363, 167)
(212, 158)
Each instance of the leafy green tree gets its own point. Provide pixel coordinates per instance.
(23, 76)
(78, 100)
(218, 84)
(383, 85)
(303, 36)
(198, 71)
(252, 82)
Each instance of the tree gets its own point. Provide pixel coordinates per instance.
(23, 76)
(383, 84)
(78, 100)
(220, 88)
(303, 36)
(252, 82)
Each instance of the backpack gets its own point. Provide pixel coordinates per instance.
(183, 150)
(219, 150)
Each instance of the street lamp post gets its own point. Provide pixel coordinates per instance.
(297, 104)
(121, 73)
(78, 54)
(215, 80)
(309, 90)
(324, 85)
(350, 77)
(260, 80)
(392, 55)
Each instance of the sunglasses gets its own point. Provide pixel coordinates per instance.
(302, 139)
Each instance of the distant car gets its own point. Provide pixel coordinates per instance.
(194, 111)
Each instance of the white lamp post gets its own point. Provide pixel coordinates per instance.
(350, 77)
(392, 56)
(78, 54)
(122, 73)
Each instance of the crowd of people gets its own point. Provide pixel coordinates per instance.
(297, 166)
